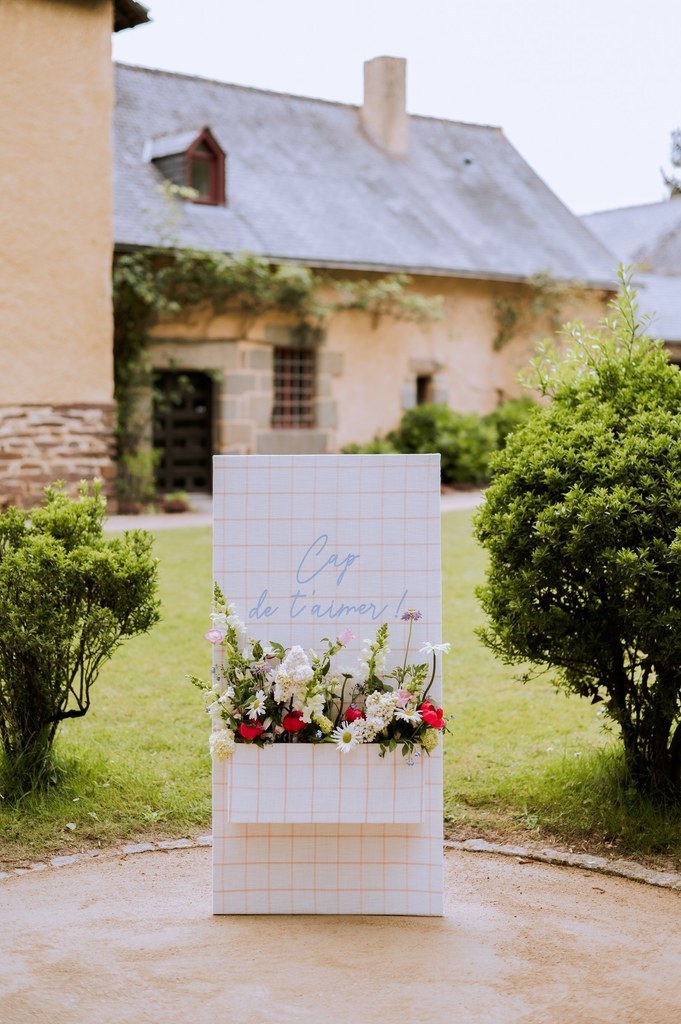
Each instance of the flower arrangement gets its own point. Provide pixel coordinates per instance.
(266, 694)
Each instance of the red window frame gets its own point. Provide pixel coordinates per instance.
(293, 406)
(216, 158)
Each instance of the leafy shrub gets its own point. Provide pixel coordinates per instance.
(581, 522)
(68, 597)
(510, 415)
(464, 440)
(378, 446)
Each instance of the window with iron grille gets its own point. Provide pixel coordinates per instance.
(294, 387)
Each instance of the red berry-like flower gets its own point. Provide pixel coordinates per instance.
(434, 717)
(293, 722)
(352, 714)
(250, 732)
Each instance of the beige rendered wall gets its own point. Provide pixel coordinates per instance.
(366, 374)
(380, 364)
(56, 97)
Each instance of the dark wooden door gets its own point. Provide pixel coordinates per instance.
(183, 430)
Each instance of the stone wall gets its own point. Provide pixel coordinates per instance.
(43, 443)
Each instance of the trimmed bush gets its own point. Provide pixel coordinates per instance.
(464, 440)
(68, 598)
(582, 525)
(510, 415)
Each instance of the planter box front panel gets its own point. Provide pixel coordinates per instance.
(334, 868)
(296, 782)
(306, 546)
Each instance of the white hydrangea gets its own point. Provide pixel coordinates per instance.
(222, 744)
(293, 675)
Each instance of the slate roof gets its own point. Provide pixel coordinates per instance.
(648, 236)
(660, 297)
(305, 184)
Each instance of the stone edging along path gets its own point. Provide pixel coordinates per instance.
(619, 868)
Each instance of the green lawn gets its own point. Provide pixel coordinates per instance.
(522, 762)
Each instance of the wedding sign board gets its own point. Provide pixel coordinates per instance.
(307, 546)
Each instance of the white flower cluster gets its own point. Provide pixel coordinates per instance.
(379, 709)
(222, 744)
(228, 617)
(365, 657)
(293, 675)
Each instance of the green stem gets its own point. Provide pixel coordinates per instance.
(432, 678)
(340, 703)
(406, 653)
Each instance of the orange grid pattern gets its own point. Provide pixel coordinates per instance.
(307, 546)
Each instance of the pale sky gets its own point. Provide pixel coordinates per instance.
(587, 90)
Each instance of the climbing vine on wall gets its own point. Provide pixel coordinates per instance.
(154, 284)
(541, 302)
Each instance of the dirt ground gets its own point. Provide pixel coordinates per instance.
(132, 939)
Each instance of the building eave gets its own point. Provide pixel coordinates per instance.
(386, 268)
(128, 14)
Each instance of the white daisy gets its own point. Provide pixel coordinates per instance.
(408, 715)
(256, 706)
(345, 736)
(434, 648)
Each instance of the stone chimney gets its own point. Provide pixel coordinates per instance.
(384, 111)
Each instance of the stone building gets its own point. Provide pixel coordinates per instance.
(56, 96)
(356, 192)
(353, 192)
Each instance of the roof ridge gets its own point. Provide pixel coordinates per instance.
(292, 95)
(625, 209)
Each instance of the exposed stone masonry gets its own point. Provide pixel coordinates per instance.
(43, 443)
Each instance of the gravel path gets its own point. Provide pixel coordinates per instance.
(132, 939)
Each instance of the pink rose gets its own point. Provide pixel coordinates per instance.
(215, 636)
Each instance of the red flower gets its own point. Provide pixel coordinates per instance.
(250, 732)
(292, 722)
(434, 717)
(352, 714)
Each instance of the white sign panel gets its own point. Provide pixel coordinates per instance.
(306, 547)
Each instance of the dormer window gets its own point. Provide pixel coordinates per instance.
(192, 160)
(206, 169)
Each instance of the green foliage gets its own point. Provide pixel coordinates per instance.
(377, 446)
(67, 599)
(135, 483)
(510, 415)
(521, 762)
(581, 523)
(539, 302)
(465, 441)
(387, 297)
